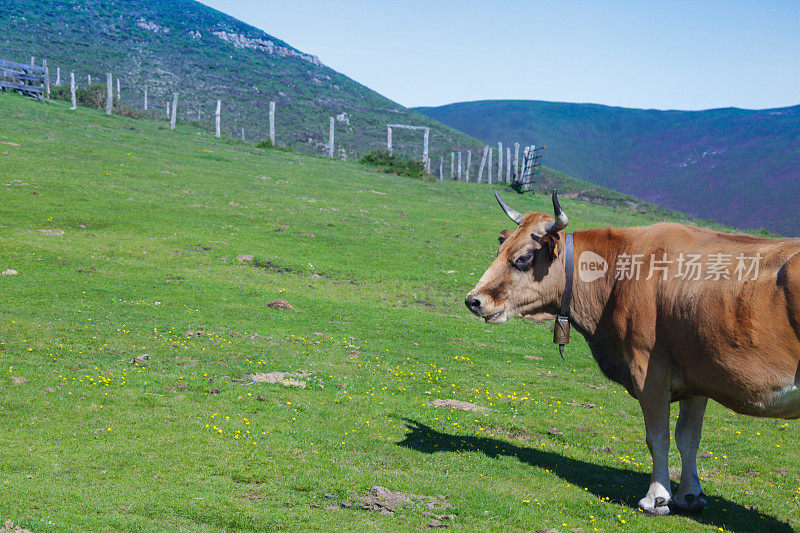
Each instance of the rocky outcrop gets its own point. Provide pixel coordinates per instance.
(265, 45)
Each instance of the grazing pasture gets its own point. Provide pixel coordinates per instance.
(128, 239)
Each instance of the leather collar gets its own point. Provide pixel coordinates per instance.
(569, 267)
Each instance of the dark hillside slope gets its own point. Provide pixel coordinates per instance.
(740, 167)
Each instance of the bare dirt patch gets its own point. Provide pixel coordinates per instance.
(579, 404)
(269, 265)
(251, 335)
(287, 379)
(141, 360)
(388, 502)
(199, 332)
(458, 405)
(280, 304)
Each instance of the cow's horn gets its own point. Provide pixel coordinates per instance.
(516, 216)
(561, 220)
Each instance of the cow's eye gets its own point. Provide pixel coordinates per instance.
(524, 262)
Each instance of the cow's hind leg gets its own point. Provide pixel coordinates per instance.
(687, 436)
(654, 399)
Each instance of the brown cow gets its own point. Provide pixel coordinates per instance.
(671, 312)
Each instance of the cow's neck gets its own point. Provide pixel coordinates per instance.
(589, 299)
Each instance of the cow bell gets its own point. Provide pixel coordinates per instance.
(561, 333)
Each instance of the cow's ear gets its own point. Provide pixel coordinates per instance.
(549, 246)
(505, 234)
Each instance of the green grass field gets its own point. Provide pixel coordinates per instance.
(376, 268)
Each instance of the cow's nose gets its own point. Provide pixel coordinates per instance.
(473, 304)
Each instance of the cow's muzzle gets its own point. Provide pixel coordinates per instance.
(492, 316)
(473, 304)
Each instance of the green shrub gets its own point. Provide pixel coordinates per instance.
(93, 96)
(395, 164)
(266, 144)
(125, 111)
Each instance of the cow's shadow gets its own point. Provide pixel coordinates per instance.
(619, 485)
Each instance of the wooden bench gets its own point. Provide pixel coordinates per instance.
(28, 79)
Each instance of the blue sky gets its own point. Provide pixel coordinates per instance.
(648, 54)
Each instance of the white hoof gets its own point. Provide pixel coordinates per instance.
(654, 506)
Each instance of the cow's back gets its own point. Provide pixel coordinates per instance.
(732, 337)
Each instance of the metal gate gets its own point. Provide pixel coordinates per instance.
(531, 165)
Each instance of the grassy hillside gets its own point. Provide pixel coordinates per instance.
(125, 237)
(736, 166)
(185, 46)
(188, 47)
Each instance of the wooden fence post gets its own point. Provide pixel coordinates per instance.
(46, 78)
(242, 134)
(33, 60)
(88, 79)
(72, 90)
(119, 96)
(174, 115)
(508, 164)
(330, 138)
(389, 139)
(452, 165)
(58, 76)
(271, 124)
(499, 162)
(109, 94)
(426, 160)
(145, 99)
(459, 165)
(217, 118)
(516, 160)
(483, 164)
(489, 167)
(167, 110)
(469, 164)
(441, 166)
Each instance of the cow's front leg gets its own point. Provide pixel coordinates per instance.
(654, 399)
(687, 436)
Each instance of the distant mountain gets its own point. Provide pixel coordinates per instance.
(736, 166)
(185, 46)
